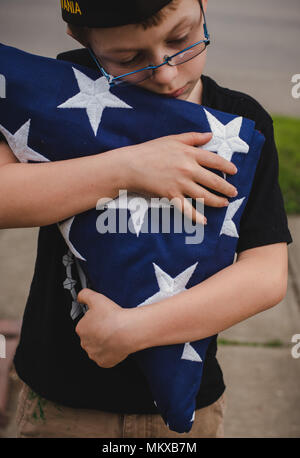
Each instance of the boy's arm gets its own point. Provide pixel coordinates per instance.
(45, 193)
(256, 282)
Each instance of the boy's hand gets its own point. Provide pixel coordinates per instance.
(173, 166)
(102, 330)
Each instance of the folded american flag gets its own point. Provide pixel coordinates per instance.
(56, 110)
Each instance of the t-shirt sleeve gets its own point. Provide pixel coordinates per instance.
(264, 220)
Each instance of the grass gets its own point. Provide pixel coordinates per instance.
(269, 344)
(287, 137)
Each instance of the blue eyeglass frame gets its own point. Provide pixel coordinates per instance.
(112, 80)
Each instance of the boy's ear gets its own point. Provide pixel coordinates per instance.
(68, 31)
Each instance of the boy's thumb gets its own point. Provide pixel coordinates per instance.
(87, 296)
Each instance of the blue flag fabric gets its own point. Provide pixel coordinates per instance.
(54, 110)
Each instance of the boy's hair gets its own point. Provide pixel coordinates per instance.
(80, 32)
(158, 18)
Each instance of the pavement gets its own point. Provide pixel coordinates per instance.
(260, 372)
(254, 49)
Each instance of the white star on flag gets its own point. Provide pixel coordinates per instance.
(169, 286)
(94, 96)
(19, 144)
(190, 353)
(137, 204)
(225, 140)
(65, 228)
(228, 227)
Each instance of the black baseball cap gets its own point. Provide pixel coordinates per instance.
(109, 13)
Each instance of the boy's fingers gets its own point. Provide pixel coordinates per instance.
(195, 138)
(210, 199)
(214, 161)
(188, 210)
(216, 183)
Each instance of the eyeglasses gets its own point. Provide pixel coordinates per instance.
(144, 73)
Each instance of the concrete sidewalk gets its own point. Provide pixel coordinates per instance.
(262, 377)
(260, 373)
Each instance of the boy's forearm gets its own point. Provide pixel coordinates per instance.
(45, 193)
(235, 293)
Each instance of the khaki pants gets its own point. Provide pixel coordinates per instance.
(38, 417)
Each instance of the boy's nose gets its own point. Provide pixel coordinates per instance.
(165, 74)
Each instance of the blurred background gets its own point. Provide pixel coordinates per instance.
(255, 49)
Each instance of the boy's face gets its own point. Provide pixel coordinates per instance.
(115, 46)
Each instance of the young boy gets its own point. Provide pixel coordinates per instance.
(68, 390)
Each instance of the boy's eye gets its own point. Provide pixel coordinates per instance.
(179, 40)
(136, 58)
(128, 62)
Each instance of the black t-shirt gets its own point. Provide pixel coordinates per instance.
(49, 357)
